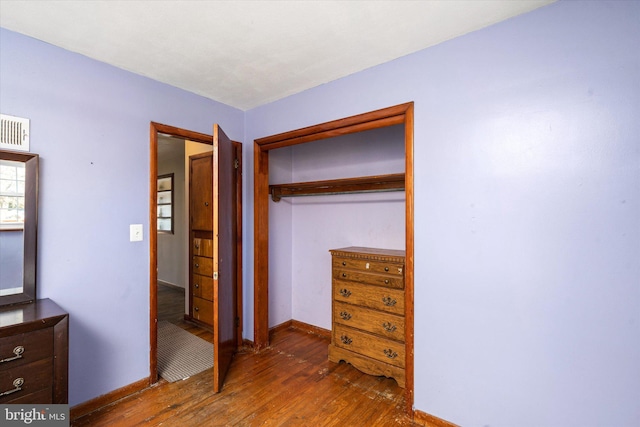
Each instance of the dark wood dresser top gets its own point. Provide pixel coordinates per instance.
(22, 318)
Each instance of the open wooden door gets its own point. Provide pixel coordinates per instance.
(225, 318)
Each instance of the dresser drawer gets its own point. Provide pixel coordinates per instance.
(203, 266)
(202, 286)
(369, 266)
(203, 310)
(203, 247)
(30, 346)
(379, 298)
(35, 376)
(40, 397)
(41, 328)
(377, 322)
(382, 349)
(371, 279)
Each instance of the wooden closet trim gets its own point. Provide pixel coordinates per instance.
(359, 127)
(399, 114)
(372, 120)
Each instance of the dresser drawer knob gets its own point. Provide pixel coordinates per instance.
(197, 309)
(345, 315)
(197, 265)
(344, 274)
(345, 340)
(17, 383)
(18, 354)
(390, 353)
(386, 269)
(388, 301)
(206, 203)
(345, 293)
(386, 281)
(389, 327)
(197, 286)
(344, 263)
(197, 246)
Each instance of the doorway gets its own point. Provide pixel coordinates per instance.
(233, 187)
(400, 114)
(173, 249)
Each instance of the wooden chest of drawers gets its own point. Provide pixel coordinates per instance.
(368, 328)
(202, 280)
(34, 353)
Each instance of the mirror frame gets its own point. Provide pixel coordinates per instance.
(30, 230)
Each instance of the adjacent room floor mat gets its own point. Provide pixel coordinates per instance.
(181, 354)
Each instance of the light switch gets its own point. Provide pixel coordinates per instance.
(135, 232)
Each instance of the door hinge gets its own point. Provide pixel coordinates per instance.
(237, 322)
(236, 163)
(215, 275)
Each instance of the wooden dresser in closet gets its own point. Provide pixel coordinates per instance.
(201, 235)
(368, 328)
(34, 353)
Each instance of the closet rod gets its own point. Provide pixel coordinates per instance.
(365, 184)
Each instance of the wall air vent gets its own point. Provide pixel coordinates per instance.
(14, 133)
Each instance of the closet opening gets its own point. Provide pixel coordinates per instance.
(396, 120)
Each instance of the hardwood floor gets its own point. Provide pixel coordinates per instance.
(170, 303)
(290, 383)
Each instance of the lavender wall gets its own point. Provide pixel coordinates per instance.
(90, 125)
(527, 208)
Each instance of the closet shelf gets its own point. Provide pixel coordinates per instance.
(365, 184)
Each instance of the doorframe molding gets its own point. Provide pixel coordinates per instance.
(399, 114)
(155, 129)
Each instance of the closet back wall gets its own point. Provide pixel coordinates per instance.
(303, 229)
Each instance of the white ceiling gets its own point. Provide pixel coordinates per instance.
(248, 53)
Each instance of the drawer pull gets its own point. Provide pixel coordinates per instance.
(388, 301)
(345, 293)
(386, 269)
(345, 340)
(18, 354)
(197, 309)
(344, 274)
(197, 246)
(389, 327)
(345, 315)
(390, 353)
(344, 263)
(197, 265)
(17, 383)
(206, 203)
(197, 286)
(386, 281)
